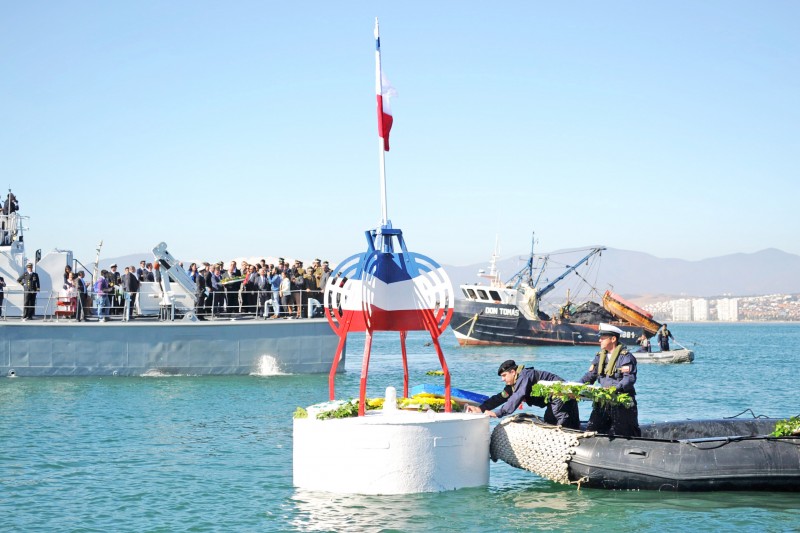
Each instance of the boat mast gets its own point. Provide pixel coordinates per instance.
(97, 261)
(526, 273)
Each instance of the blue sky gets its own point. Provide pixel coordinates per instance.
(248, 128)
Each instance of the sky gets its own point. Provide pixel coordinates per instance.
(230, 129)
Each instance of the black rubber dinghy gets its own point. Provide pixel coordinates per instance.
(690, 455)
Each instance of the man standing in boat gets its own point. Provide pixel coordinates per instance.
(664, 335)
(613, 366)
(519, 382)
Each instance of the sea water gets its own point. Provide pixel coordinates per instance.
(215, 453)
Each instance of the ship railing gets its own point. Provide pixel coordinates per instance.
(261, 304)
(119, 304)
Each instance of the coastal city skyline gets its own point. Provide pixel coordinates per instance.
(230, 130)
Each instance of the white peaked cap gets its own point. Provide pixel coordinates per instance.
(608, 328)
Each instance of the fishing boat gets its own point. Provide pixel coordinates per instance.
(510, 313)
(682, 355)
(165, 339)
(688, 455)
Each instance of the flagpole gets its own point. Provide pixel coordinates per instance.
(381, 154)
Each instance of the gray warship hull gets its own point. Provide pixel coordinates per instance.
(146, 348)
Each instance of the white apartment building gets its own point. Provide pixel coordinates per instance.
(682, 310)
(728, 310)
(700, 310)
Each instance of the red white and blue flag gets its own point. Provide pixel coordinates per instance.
(385, 92)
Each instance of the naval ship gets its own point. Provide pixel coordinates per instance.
(165, 339)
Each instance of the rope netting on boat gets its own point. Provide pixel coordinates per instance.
(539, 448)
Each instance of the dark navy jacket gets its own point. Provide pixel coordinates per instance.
(557, 412)
(623, 375)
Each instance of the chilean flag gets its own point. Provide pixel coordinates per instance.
(385, 91)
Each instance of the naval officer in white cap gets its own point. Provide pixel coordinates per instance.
(613, 366)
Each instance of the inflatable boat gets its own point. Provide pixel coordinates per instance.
(682, 355)
(690, 455)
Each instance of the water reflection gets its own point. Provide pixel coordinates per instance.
(530, 504)
(320, 511)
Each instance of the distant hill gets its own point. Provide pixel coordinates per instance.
(124, 260)
(638, 275)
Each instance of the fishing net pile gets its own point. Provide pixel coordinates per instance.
(540, 448)
(591, 313)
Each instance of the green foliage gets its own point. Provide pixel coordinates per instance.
(350, 408)
(420, 402)
(566, 391)
(346, 410)
(787, 428)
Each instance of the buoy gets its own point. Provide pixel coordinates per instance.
(391, 451)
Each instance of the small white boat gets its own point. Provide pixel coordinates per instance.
(681, 355)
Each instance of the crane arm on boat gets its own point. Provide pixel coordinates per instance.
(550, 286)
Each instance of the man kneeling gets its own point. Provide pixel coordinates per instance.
(519, 382)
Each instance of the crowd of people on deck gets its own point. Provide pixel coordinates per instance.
(282, 290)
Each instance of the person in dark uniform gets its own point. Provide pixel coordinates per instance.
(114, 282)
(664, 335)
(200, 293)
(2, 293)
(519, 382)
(6, 230)
(208, 274)
(80, 284)
(613, 366)
(30, 284)
(219, 289)
(11, 204)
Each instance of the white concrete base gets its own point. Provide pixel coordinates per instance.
(392, 452)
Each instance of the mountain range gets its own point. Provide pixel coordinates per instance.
(639, 276)
(643, 277)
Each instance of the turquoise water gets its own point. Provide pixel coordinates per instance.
(215, 453)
